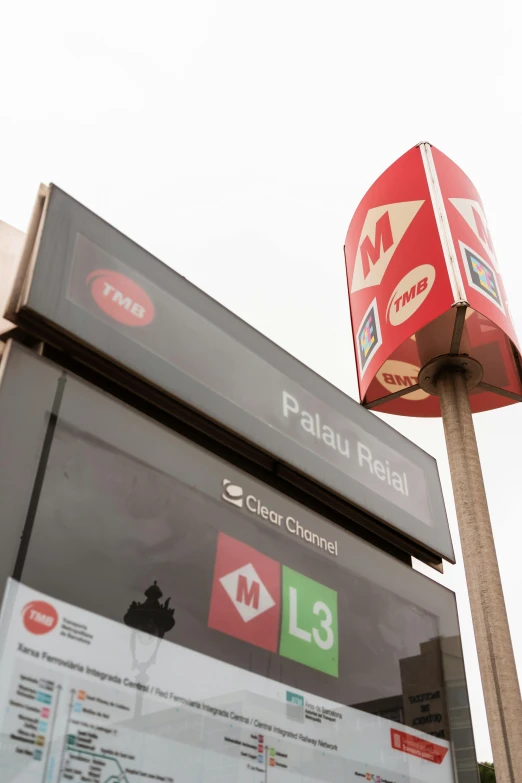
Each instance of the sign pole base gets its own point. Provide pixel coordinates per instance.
(493, 640)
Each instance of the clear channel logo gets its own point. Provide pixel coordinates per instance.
(232, 493)
(236, 496)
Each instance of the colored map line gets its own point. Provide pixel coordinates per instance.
(119, 778)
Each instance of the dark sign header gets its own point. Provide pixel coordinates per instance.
(96, 284)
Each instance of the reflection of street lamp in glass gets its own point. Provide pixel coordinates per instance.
(150, 620)
(151, 617)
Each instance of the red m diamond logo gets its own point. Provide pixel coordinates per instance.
(246, 592)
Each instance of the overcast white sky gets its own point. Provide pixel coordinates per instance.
(235, 139)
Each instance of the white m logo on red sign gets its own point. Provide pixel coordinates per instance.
(247, 592)
(474, 216)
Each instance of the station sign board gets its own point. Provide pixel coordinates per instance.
(89, 281)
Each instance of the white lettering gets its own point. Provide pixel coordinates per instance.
(294, 629)
(378, 468)
(307, 422)
(43, 619)
(397, 482)
(328, 436)
(123, 301)
(344, 451)
(365, 455)
(290, 404)
(294, 527)
(137, 310)
(275, 518)
(311, 423)
(326, 624)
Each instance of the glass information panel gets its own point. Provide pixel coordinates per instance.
(298, 652)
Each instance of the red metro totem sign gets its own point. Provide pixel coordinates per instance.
(418, 250)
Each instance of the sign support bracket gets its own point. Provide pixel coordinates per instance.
(458, 328)
(394, 396)
(503, 392)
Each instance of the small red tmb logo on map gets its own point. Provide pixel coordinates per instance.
(39, 617)
(120, 297)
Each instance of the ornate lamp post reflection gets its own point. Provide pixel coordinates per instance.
(150, 620)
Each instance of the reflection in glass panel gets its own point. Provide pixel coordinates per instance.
(138, 525)
(108, 526)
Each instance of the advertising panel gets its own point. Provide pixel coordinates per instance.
(279, 624)
(419, 248)
(95, 284)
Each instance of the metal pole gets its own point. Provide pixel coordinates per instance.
(495, 652)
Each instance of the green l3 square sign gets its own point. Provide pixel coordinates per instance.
(309, 632)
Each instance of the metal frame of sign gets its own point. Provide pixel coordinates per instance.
(66, 293)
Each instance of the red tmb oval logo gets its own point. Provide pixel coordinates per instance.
(121, 298)
(39, 617)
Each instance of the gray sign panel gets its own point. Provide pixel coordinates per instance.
(96, 284)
